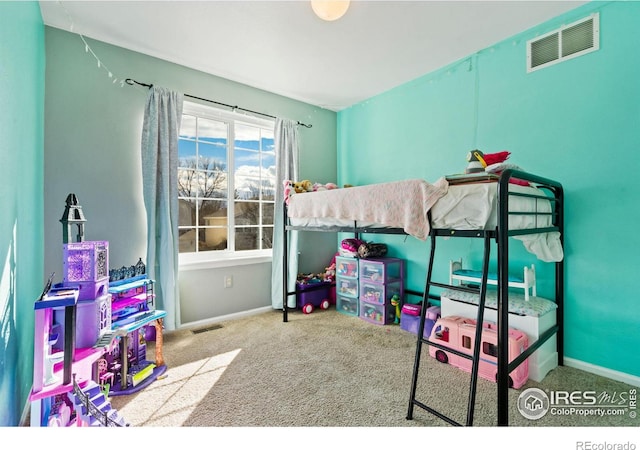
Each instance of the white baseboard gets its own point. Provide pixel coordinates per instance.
(603, 371)
(212, 320)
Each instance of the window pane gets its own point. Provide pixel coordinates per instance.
(268, 189)
(212, 156)
(267, 237)
(247, 188)
(246, 238)
(267, 213)
(186, 150)
(268, 143)
(212, 213)
(269, 164)
(187, 182)
(213, 131)
(188, 127)
(212, 239)
(247, 213)
(187, 240)
(186, 212)
(247, 136)
(212, 184)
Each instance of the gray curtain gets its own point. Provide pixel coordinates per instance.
(160, 131)
(286, 142)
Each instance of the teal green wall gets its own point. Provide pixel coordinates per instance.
(22, 62)
(577, 122)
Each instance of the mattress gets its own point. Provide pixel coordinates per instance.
(405, 204)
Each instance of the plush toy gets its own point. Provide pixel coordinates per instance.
(302, 186)
(288, 190)
(324, 187)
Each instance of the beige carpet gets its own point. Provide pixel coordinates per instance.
(326, 369)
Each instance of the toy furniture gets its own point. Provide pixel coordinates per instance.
(527, 282)
(132, 312)
(495, 210)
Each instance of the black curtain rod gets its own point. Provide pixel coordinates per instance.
(131, 82)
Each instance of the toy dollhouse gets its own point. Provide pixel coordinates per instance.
(90, 335)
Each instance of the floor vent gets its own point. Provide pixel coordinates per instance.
(205, 329)
(569, 41)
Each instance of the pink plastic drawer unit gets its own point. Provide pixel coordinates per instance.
(381, 270)
(380, 293)
(86, 261)
(347, 286)
(346, 267)
(313, 295)
(347, 305)
(377, 314)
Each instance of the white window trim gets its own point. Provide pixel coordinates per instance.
(222, 258)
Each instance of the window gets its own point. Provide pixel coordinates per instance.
(226, 183)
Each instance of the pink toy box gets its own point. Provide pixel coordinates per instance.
(458, 333)
(410, 318)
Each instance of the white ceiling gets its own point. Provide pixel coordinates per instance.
(282, 47)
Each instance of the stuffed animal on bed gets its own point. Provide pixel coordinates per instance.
(324, 187)
(302, 186)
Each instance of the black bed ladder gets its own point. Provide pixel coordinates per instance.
(475, 356)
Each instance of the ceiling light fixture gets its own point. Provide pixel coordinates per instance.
(330, 10)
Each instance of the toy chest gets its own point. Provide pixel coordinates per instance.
(347, 305)
(312, 293)
(410, 318)
(86, 261)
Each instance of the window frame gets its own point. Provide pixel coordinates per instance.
(224, 258)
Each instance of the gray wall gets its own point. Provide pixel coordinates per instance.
(92, 141)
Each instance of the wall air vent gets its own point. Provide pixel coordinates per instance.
(567, 42)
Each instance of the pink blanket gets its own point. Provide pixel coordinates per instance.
(397, 204)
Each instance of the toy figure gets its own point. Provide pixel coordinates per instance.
(395, 301)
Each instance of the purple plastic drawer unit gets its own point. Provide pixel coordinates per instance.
(380, 293)
(86, 261)
(313, 295)
(347, 305)
(381, 270)
(377, 314)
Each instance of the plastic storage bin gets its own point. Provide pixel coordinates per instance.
(380, 293)
(346, 267)
(381, 270)
(377, 314)
(347, 305)
(347, 286)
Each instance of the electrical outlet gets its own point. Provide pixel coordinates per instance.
(228, 281)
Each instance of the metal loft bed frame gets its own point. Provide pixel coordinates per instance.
(500, 235)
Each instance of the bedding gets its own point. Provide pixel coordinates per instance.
(405, 204)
